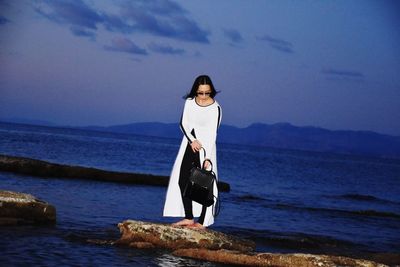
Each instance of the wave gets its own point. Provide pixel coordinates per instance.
(248, 197)
(377, 213)
(367, 198)
(268, 203)
(360, 197)
(368, 213)
(287, 241)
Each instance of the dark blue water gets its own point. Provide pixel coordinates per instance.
(287, 201)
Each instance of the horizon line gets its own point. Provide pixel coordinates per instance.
(56, 125)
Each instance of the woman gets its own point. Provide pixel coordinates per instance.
(200, 120)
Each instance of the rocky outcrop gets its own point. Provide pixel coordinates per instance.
(20, 208)
(141, 234)
(215, 246)
(273, 259)
(42, 168)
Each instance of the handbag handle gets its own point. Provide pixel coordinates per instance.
(204, 161)
(217, 205)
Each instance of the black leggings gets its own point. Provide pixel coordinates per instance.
(190, 160)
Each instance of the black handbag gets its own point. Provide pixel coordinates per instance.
(199, 187)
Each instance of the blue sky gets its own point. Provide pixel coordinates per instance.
(331, 64)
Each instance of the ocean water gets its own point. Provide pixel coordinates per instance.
(284, 200)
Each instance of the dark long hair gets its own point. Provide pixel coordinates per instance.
(201, 80)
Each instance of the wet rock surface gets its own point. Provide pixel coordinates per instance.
(19, 208)
(273, 259)
(147, 234)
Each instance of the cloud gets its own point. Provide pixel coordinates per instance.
(160, 7)
(3, 20)
(114, 23)
(233, 35)
(121, 44)
(156, 17)
(82, 32)
(75, 12)
(278, 44)
(165, 49)
(335, 73)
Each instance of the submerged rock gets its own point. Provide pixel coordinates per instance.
(20, 208)
(42, 168)
(141, 234)
(273, 259)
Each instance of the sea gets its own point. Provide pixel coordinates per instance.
(286, 201)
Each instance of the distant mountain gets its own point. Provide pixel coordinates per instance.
(280, 135)
(285, 135)
(28, 121)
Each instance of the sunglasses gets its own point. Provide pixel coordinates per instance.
(203, 93)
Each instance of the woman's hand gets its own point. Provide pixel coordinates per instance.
(206, 164)
(196, 146)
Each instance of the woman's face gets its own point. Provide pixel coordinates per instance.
(204, 92)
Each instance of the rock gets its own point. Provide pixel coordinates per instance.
(215, 246)
(273, 259)
(20, 208)
(145, 234)
(42, 168)
(391, 259)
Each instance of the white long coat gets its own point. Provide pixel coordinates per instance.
(205, 121)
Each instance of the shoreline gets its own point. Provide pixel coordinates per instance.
(41, 168)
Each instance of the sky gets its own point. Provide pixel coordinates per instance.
(329, 64)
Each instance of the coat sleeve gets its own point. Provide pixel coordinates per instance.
(185, 125)
(209, 143)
